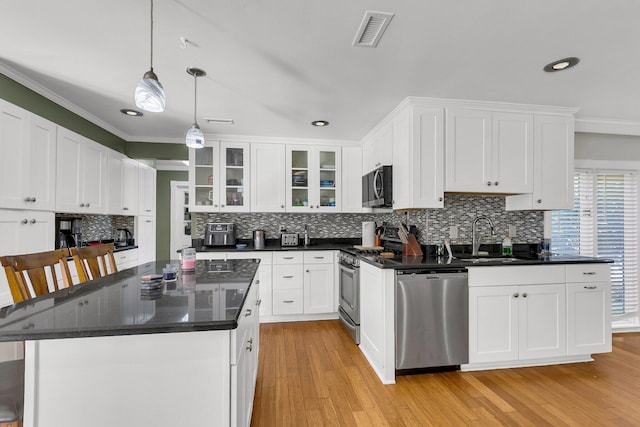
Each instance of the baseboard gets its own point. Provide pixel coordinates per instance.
(297, 317)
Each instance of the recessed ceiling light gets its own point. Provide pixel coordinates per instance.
(129, 112)
(560, 65)
(320, 123)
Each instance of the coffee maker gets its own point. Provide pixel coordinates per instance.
(68, 232)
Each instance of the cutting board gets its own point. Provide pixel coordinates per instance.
(367, 248)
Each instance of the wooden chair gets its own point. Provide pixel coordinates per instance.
(94, 261)
(11, 393)
(36, 269)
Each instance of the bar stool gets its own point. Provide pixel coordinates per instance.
(37, 269)
(94, 261)
(11, 393)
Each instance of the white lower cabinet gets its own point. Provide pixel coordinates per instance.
(126, 259)
(288, 282)
(318, 282)
(516, 313)
(264, 275)
(588, 309)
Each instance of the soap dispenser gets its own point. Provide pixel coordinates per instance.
(507, 246)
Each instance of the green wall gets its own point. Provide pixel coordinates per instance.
(163, 210)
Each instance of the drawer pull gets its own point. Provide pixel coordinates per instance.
(289, 301)
(249, 344)
(287, 277)
(591, 287)
(318, 257)
(259, 302)
(287, 257)
(589, 273)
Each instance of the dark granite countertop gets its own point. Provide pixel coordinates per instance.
(211, 298)
(430, 261)
(274, 245)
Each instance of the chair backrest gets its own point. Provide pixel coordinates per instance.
(36, 269)
(94, 261)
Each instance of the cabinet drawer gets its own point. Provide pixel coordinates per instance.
(318, 257)
(264, 257)
(126, 259)
(516, 275)
(287, 301)
(287, 276)
(588, 273)
(287, 257)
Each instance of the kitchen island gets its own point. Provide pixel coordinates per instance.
(109, 352)
(522, 312)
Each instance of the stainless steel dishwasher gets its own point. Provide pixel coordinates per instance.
(431, 318)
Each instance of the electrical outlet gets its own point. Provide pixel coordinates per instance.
(453, 232)
(512, 231)
(283, 229)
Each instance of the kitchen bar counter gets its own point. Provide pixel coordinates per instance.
(274, 245)
(116, 304)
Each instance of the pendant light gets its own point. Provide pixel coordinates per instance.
(195, 137)
(149, 92)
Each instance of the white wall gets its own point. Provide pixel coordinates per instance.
(596, 146)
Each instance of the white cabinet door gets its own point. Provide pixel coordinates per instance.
(204, 172)
(588, 318)
(126, 259)
(493, 324)
(378, 149)
(418, 158)
(14, 154)
(41, 171)
(352, 179)
(235, 189)
(268, 177)
(146, 190)
(468, 150)
(542, 321)
(81, 174)
(129, 187)
(318, 288)
(115, 164)
(512, 153)
(146, 238)
(313, 179)
(553, 166)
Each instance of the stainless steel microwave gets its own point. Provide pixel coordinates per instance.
(377, 188)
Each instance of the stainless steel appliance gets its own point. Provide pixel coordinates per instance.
(123, 237)
(431, 319)
(259, 237)
(377, 187)
(349, 289)
(68, 232)
(219, 234)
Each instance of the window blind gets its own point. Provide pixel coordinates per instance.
(604, 223)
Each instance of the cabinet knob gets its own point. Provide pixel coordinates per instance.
(539, 201)
(27, 199)
(259, 302)
(281, 206)
(25, 221)
(82, 205)
(33, 221)
(148, 220)
(88, 204)
(495, 183)
(125, 208)
(516, 295)
(33, 199)
(317, 206)
(222, 206)
(524, 295)
(248, 313)
(440, 199)
(215, 206)
(311, 206)
(148, 210)
(307, 271)
(489, 183)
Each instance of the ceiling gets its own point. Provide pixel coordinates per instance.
(273, 66)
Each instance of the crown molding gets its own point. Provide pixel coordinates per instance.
(609, 126)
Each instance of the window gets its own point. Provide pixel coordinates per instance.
(604, 223)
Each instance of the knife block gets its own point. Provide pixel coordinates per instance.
(412, 247)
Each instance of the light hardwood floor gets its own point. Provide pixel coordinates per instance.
(312, 374)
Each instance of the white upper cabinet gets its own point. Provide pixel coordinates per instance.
(146, 190)
(27, 159)
(377, 149)
(81, 174)
(352, 180)
(123, 185)
(553, 166)
(268, 177)
(219, 177)
(313, 178)
(489, 152)
(418, 145)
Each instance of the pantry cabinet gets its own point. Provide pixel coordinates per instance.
(27, 159)
(268, 177)
(123, 185)
(81, 178)
(489, 152)
(313, 181)
(146, 190)
(553, 166)
(219, 177)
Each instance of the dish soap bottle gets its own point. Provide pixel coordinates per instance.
(507, 246)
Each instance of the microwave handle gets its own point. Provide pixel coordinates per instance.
(377, 177)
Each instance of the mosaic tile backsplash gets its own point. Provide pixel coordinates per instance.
(98, 227)
(433, 225)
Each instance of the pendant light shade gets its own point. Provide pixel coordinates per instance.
(149, 93)
(195, 137)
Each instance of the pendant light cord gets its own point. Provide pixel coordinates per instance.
(195, 98)
(151, 35)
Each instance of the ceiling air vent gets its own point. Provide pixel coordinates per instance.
(371, 28)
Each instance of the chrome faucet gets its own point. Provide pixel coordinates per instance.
(475, 244)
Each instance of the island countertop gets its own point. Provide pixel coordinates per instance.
(210, 298)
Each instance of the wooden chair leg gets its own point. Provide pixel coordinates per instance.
(17, 423)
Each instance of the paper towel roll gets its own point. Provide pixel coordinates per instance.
(368, 233)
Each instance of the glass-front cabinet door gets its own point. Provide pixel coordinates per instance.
(203, 177)
(313, 179)
(234, 178)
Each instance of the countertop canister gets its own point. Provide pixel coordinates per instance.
(368, 233)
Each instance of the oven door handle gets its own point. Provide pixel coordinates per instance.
(346, 269)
